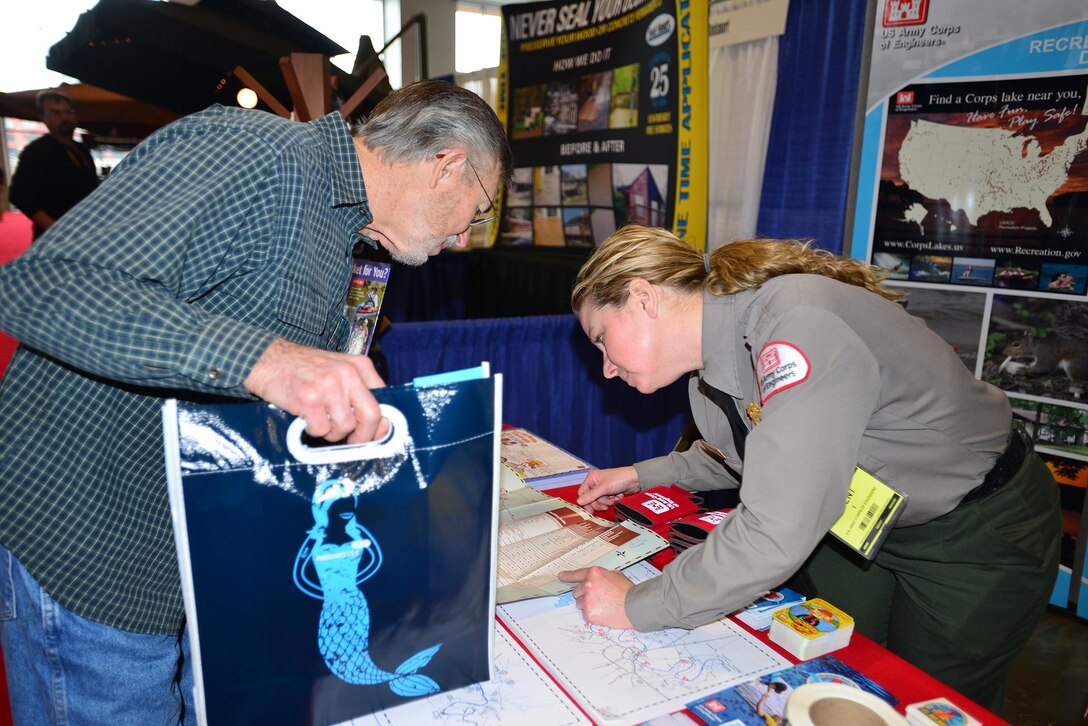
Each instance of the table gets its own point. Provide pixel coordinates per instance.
(905, 681)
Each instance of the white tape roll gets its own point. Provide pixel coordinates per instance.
(836, 704)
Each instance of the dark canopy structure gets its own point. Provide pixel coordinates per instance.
(110, 117)
(182, 56)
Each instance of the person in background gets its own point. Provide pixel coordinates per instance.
(214, 262)
(55, 172)
(801, 369)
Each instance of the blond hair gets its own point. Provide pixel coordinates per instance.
(660, 258)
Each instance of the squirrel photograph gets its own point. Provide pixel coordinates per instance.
(1049, 357)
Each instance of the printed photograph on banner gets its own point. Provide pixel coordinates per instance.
(1055, 429)
(574, 184)
(528, 113)
(895, 265)
(594, 100)
(1038, 346)
(548, 226)
(577, 229)
(520, 190)
(517, 227)
(560, 108)
(972, 271)
(993, 173)
(1016, 274)
(546, 184)
(600, 185)
(624, 104)
(640, 192)
(954, 315)
(930, 268)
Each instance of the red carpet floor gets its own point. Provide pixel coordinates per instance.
(14, 239)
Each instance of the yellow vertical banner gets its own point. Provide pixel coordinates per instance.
(689, 219)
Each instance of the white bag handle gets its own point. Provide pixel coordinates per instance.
(395, 442)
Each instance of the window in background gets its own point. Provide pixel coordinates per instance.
(342, 23)
(478, 29)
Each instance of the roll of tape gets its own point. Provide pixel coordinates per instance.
(836, 704)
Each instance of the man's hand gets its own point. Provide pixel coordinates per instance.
(600, 595)
(329, 390)
(602, 487)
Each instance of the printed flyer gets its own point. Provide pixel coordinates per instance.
(605, 107)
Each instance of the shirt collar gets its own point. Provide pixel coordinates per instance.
(347, 188)
(726, 361)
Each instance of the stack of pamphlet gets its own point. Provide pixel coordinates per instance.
(539, 463)
(694, 528)
(659, 507)
(762, 700)
(758, 614)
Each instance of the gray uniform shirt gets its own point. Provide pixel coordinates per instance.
(850, 379)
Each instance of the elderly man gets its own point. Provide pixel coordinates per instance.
(55, 171)
(213, 262)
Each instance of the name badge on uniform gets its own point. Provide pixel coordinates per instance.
(872, 508)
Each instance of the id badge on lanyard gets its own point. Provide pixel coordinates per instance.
(872, 508)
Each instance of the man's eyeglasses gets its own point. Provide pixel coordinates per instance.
(488, 214)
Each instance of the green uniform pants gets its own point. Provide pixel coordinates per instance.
(958, 596)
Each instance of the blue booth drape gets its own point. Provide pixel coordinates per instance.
(552, 383)
(807, 172)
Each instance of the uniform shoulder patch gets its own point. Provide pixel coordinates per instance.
(780, 365)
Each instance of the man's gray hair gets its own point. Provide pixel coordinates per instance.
(44, 96)
(418, 121)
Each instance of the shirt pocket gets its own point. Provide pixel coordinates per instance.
(301, 305)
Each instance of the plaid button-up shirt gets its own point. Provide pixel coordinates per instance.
(217, 234)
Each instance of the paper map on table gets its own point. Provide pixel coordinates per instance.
(627, 677)
(519, 694)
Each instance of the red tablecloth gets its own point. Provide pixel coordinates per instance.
(906, 682)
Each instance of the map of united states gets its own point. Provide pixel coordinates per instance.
(984, 170)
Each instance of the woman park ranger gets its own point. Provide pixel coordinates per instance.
(804, 374)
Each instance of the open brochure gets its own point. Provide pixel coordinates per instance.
(540, 535)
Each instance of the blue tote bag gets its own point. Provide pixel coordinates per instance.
(323, 583)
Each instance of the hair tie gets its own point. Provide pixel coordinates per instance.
(706, 262)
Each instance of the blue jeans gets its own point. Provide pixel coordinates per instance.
(64, 669)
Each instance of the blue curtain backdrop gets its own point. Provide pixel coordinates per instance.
(552, 384)
(806, 177)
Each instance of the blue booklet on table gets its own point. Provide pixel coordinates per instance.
(763, 700)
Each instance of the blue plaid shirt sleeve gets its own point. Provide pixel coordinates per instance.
(113, 284)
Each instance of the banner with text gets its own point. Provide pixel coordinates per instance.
(972, 193)
(605, 108)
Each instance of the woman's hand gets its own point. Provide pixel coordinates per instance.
(600, 595)
(602, 487)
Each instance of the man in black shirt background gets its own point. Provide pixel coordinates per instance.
(55, 171)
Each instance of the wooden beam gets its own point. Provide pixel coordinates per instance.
(262, 93)
(362, 92)
(307, 76)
